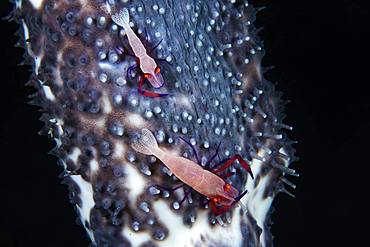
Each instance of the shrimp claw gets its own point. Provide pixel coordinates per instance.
(218, 209)
(229, 163)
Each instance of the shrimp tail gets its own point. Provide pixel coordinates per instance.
(121, 18)
(146, 144)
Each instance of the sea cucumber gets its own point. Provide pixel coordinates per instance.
(94, 112)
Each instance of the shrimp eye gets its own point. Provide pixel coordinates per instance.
(227, 187)
(157, 70)
(216, 199)
(147, 75)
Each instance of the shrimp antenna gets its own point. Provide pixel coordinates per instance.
(121, 18)
(237, 199)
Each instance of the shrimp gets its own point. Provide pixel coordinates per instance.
(222, 195)
(151, 71)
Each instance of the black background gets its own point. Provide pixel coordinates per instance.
(321, 53)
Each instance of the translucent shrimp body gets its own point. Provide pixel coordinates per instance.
(189, 172)
(147, 64)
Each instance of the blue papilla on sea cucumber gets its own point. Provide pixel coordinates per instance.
(93, 111)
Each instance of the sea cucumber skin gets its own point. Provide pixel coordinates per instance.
(93, 112)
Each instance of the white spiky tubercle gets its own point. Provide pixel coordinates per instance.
(93, 113)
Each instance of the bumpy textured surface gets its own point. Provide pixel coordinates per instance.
(211, 62)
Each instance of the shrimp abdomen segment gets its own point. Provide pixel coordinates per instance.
(135, 43)
(211, 185)
(186, 170)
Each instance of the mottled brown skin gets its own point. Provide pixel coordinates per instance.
(218, 93)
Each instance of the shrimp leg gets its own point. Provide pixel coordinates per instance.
(146, 41)
(163, 60)
(146, 37)
(156, 46)
(174, 189)
(185, 196)
(230, 162)
(130, 69)
(169, 189)
(148, 93)
(121, 50)
(194, 151)
(214, 156)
